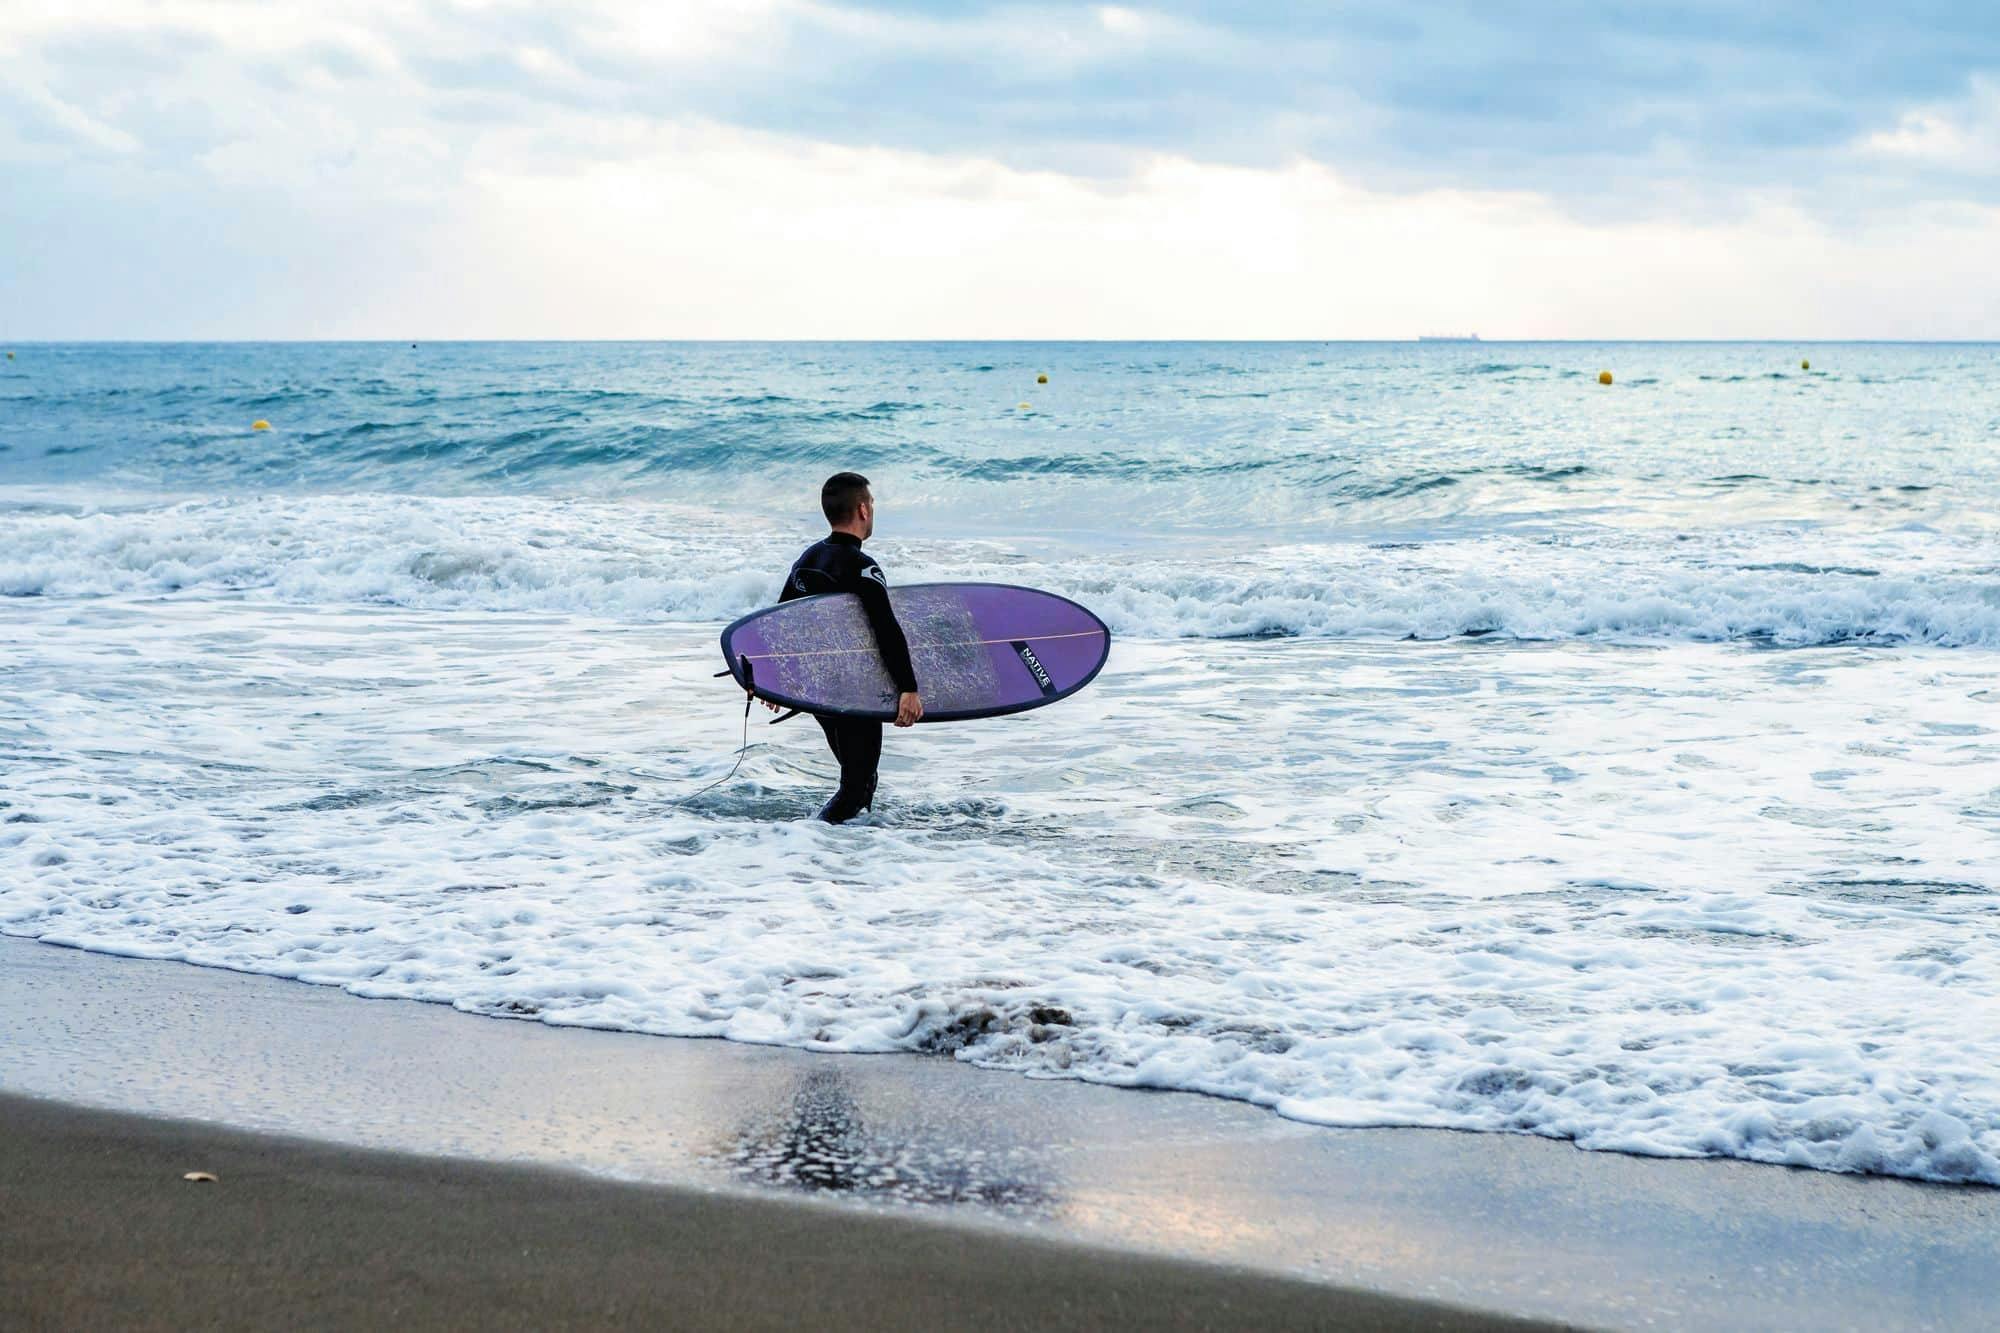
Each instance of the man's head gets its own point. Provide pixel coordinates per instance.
(848, 505)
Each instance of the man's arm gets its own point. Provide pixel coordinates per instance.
(873, 590)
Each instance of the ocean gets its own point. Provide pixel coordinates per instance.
(1481, 747)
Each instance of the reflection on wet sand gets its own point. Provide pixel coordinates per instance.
(820, 1141)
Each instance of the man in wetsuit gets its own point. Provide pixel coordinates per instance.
(836, 563)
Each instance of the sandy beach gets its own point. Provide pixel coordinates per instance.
(100, 1230)
(433, 1162)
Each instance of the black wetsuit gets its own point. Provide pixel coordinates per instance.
(837, 563)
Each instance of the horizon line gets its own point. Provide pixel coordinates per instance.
(1427, 340)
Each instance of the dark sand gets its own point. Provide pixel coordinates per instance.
(100, 1230)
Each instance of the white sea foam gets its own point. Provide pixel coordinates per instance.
(1706, 900)
(1789, 586)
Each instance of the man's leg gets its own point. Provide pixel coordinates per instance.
(858, 746)
(861, 757)
(831, 726)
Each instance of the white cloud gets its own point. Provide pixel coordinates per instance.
(711, 232)
(1963, 135)
(73, 120)
(286, 171)
(682, 32)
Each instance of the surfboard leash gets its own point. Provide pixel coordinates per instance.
(741, 750)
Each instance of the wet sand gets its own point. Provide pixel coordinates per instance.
(100, 1230)
(858, 1188)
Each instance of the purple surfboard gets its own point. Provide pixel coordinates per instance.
(979, 649)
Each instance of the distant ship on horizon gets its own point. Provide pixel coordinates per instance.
(1447, 337)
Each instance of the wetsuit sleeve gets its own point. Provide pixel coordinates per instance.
(873, 589)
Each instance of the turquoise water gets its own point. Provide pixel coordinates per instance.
(1534, 500)
(1482, 746)
(1292, 439)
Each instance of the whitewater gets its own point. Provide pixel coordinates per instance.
(1481, 747)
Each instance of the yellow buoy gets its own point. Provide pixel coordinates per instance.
(260, 424)
(1805, 365)
(1022, 406)
(1039, 379)
(1604, 377)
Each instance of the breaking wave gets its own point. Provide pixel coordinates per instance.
(649, 562)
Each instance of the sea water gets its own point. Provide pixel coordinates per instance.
(1481, 746)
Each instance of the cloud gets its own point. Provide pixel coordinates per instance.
(1960, 137)
(1609, 106)
(710, 231)
(801, 167)
(742, 234)
(1585, 101)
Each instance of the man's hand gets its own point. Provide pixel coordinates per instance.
(909, 708)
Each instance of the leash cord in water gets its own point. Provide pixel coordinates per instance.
(741, 750)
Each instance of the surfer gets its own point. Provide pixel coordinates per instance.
(836, 563)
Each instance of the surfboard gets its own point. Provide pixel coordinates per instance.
(979, 650)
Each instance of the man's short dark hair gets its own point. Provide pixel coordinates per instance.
(841, 496)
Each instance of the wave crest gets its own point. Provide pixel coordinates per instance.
(662, 563)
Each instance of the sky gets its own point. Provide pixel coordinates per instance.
(797, 169)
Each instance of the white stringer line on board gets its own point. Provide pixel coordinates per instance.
(951, 643)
